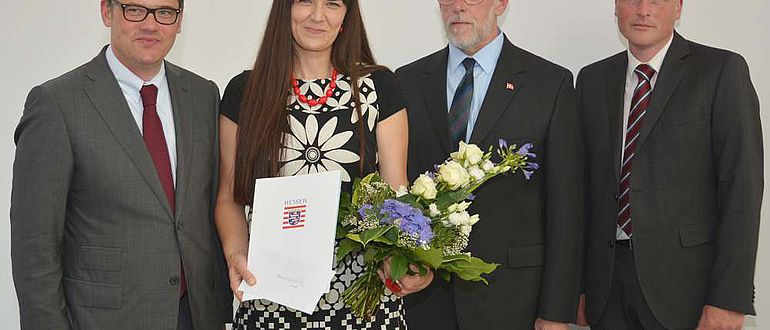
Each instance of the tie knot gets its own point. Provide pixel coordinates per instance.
(468, 63)
(149, 95)
(645, 72)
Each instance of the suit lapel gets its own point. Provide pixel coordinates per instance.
(108, 99)
(616, 82)
(498, 97)
(434, 91)
(671, 73)
(181, 107)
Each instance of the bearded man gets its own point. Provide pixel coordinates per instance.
(481, 89)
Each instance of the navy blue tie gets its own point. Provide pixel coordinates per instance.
(461, 105)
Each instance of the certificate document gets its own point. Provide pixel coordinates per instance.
(291, 243)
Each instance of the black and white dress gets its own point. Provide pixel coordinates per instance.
(323, 138)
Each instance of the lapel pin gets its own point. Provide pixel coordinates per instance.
(509, 86)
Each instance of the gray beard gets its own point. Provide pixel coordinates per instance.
(479, 34)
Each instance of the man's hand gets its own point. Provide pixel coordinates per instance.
(714, 318)
(541, 324)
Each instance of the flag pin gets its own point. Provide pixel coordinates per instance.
(509, 86)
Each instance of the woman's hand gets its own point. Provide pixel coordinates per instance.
(408, 284)
(238, 271)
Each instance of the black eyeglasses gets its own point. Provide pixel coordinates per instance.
(452, 2)
(137, 13)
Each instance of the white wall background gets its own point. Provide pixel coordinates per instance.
(43, 39)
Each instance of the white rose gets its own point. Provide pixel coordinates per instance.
(401, 191)
(458, 207)
(424, 187)
(459, 218)
(433, 210)
(453, 174)
(488, 166)
(459, 155)
(473, 154)
(465, 230)
(468, 154)
(476, 173)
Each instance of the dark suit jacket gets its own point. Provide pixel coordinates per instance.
(533, 229)
(696, 183)
(94, 242)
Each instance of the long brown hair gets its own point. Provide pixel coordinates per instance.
(263, 115)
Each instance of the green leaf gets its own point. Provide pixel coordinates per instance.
(444, 274)
(399, 264)
(355, 237)
(372, 234)
(341, 232)
(433, 257)
(469, 268)
(345, 247)
(456, 257)
(409, 199)
(390, 237)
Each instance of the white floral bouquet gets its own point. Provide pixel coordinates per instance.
(426, 226)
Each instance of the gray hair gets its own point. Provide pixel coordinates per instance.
(112, 2)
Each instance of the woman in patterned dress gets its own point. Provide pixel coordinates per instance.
(314, 101)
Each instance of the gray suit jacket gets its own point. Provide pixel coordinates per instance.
(696, 183)
(94, 242)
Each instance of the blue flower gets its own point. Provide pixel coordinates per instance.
(502, 143)
(524, 151)
(363, 210)
(527, 174)
(410, 220)
(471, 197)
(532, 166)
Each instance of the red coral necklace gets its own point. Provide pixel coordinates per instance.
(313, 102)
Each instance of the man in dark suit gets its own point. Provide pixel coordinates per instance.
(481, 89)
(674, 149)
(113, 183)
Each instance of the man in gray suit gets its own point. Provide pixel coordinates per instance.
(674, 149)
(111, 217)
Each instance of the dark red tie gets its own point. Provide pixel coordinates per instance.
(639, 103)
(152, 131)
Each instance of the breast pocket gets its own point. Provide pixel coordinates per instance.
(683, 116)
(526, 256)
(698, 233)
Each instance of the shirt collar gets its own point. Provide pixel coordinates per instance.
(486, 57)
(656, 62)
(127, 78)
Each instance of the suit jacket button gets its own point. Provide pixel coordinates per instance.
(173, 280)
(179, 226)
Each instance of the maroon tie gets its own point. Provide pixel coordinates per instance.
(152, 130)
(639, 103)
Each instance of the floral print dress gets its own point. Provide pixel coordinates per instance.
(324, 138)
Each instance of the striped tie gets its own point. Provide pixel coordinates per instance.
(461, 104)
(639, 103)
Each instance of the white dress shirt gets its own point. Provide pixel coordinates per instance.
(631, 82)
(130, 84)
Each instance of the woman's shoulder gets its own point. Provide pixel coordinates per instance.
(238, 81)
